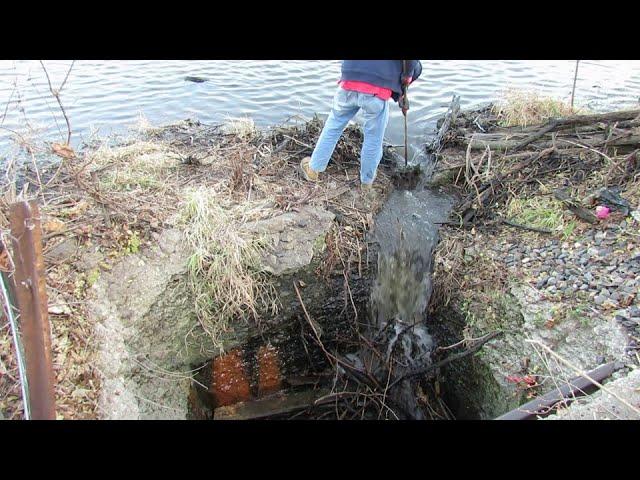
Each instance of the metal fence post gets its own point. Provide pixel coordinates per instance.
(31, 296)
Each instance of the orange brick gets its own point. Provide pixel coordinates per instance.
(229, 382)
(270, 379)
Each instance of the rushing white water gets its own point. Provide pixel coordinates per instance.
(407, 234)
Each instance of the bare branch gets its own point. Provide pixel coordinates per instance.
(66, 77)
(56, 94)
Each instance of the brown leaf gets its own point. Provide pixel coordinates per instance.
(63, 150)
(53, 226)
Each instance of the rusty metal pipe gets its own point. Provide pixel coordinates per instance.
(30, 293)
(576, 387)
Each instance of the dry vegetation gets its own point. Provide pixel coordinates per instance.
(508, 194)
(207, 180)
(518, 108)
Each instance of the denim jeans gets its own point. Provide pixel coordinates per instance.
(345, 105)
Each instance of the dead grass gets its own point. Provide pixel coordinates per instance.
(524, 108)
(243, 127)
(225, 277)
(141, 165)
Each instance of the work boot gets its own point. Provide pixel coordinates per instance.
(307, 172)
(369, 194)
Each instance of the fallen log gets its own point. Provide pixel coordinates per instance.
(277, 404)
(578, 120)
(513, 145)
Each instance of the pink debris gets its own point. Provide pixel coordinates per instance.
(602, 212)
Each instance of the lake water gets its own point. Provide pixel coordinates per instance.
(106, 97)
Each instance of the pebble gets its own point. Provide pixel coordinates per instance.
(599, 267)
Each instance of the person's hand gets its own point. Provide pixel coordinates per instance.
(407, 80)
(403, 103)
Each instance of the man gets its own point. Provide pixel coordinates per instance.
(366, 85)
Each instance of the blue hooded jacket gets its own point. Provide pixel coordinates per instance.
(382, 73)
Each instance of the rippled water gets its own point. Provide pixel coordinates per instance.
(109, 96)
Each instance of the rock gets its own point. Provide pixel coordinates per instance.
(89, 260)
(137, 312)
(62, 251)
(552, 281)
(599, 299)
(292, 246)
